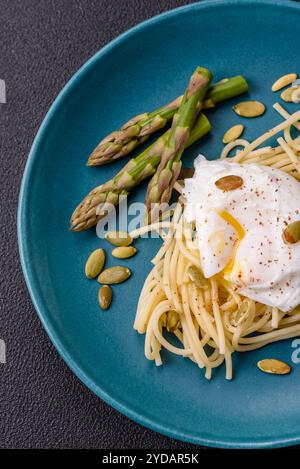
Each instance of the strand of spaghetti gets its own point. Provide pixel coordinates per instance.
(198, 349)
(186, 343)
(161, 252)
(146, 286)
(156, 348)
(187, 335)
(280, 336)
(290, 320)
(270, 335)
(228, 363)
(217, 315)
(218, 361)
(275, 318)
(230, 290)
(295, 161)
(172, 279)
(206, 317)
(179, 336)
(148, 340)
(167, 242)
(266, 136)
(268, 326)
(256, 326)
(240, 142)
(280, 109)
(192, 258)
(194, 300)
(180, 270)
(267, 159)
(284, 163)
(163, 307)
(229, 305)
(166, 283)
(292, 142)
(240, 330)
(145, 229)
(227, 316)
(154, 299)
(151, 293)
(261, 151)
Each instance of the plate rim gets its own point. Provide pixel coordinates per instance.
(24, 250)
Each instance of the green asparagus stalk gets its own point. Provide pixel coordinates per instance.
(131, 134)
(101, 200)
(161, 185)
(138, 129)
(225, 89)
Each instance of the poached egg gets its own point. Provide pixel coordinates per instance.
(240, 230)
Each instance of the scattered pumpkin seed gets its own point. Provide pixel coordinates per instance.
(273, 366)
(114, 275)
(291, 95)
(229, 183)
(105, 296)
(249, 108)
(291, 234)
(119, 238)
(95, 263)
(233, 133)
(123, 252)
(196, 276)
(172, 321)
(283, 81)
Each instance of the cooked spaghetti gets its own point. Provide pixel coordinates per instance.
(208, 317)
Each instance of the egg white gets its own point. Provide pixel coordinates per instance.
(240, 231)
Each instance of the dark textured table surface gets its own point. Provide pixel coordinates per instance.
(42, 404)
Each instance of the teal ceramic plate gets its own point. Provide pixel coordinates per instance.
(138, 71)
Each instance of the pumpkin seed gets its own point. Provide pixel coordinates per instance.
(229, 183)
(105, 296)
(196, 276)
(249, 108)
(233, 133)
(123, 252)
(119, 238)
(291, 95)
(291, 234)
(172, 321)
(284, 81)
(273, 366)
(114, 275)
(95, 263)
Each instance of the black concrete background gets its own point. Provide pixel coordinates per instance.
(42, 404)
(42, 44)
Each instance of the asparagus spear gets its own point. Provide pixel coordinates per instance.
(161, 185)
(100, 200)
(131, 134)
(138, 129)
